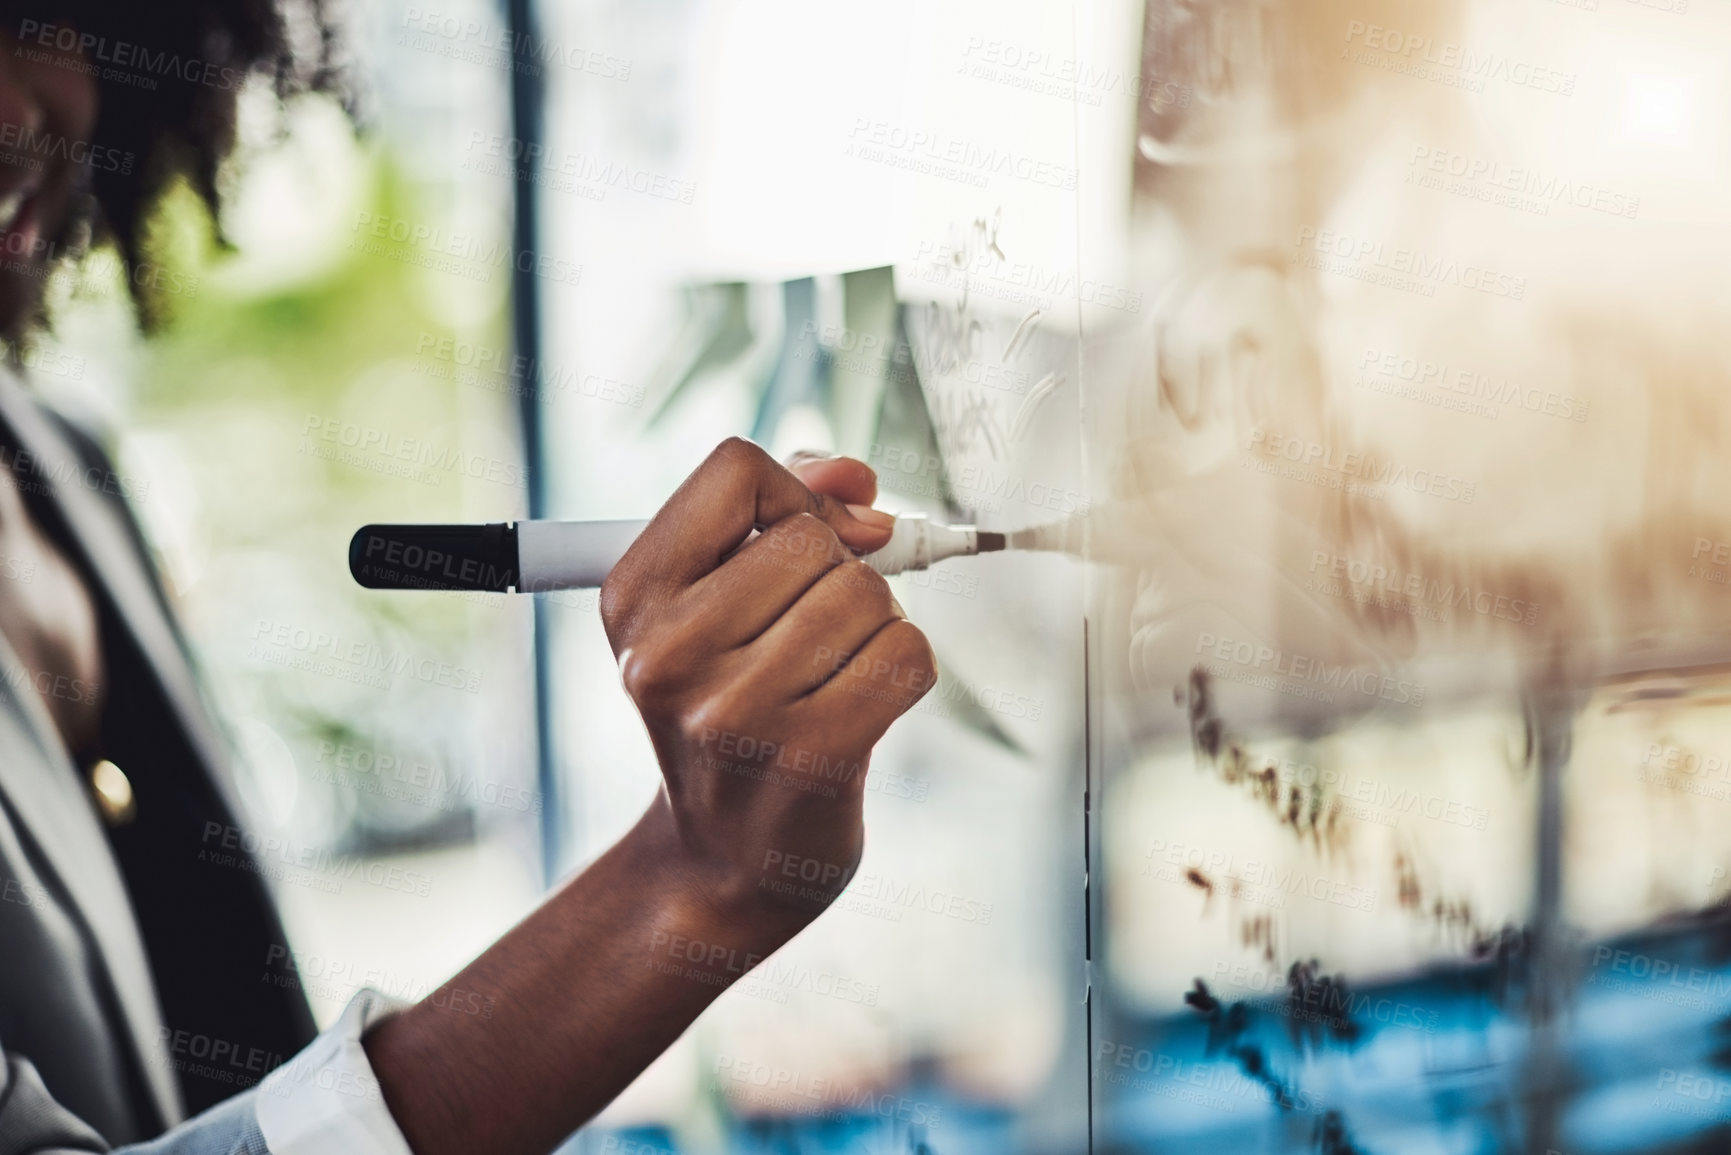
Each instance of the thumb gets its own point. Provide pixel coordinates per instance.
(852, 484)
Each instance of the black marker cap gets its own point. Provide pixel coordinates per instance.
(435, 557)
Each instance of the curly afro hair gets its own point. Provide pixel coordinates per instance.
(170, 73)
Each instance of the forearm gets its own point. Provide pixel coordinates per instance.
(584, 994)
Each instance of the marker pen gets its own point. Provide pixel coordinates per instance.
(534, 556)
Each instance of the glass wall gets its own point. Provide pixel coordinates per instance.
(1408, 720)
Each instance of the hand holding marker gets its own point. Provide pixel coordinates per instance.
(538, 556)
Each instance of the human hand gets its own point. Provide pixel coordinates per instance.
(765, 672)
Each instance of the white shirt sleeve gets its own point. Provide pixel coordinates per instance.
(326, 1099)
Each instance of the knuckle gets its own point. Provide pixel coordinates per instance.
(615, 602)
(912, 650)
(911, 642)
(737, 452)
(650, 671)
(619, 608)
(723, 712)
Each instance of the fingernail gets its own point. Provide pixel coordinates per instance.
(897, 607)
(876, 518)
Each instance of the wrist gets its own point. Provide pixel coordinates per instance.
(693, 899)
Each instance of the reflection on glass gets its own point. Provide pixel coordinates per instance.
(1407, 615)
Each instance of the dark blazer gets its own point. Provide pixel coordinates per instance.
(130, 968)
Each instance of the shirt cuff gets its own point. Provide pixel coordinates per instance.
(326, 1098)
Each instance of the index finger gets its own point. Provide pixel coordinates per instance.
(738, 488)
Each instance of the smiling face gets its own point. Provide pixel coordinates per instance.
(48, 109)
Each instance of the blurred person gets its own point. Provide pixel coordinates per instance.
(124, 959)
